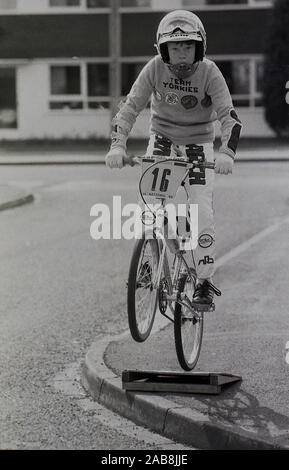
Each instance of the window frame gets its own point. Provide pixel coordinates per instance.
(83, 95)
(12, 66)
(81, 2)
(253, 96)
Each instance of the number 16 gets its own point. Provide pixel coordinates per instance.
(164, 181)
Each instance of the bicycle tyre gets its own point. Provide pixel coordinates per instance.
(141, 277)
(188, 331)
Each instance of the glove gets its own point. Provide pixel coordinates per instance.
(224, 164)
(115, 157)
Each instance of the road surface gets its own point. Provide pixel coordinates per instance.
(60, 290)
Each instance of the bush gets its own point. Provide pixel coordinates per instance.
(276, 70)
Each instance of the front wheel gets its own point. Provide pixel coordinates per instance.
(142, 294)
(188, 327)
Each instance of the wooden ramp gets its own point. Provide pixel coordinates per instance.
(177, 382)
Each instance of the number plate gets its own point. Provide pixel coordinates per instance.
(161, 180)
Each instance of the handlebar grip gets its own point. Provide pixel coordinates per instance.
(130, 160)
(210, 165)
(205, 164)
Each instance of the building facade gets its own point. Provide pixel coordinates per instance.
(56, 61)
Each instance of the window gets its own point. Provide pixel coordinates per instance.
(244, 80)
(97, 79)
(136, 3)
(80, 3)
(97, 3)
(236, 74)
(129, 73)
(259, 76)
(97, 85)
(82, 86)
(259, 73)
(64, 3)
(65, 80)
(8, 107)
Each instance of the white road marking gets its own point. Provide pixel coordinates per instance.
(161, 321)
(250, 242)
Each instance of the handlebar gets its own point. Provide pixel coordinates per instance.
(131, 160)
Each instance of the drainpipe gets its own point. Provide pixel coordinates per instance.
(115, 52)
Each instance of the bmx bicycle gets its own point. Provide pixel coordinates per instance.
(156, 281)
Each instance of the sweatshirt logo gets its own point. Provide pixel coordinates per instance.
(172, 98)
(181, 85)
(189, 101)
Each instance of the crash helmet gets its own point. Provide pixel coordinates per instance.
(179, 26)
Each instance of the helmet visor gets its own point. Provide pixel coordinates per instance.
(178, 35)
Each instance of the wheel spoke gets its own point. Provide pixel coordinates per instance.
(142, 305)
(190, 336)
(188, 328)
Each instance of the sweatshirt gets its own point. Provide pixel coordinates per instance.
(183, 111)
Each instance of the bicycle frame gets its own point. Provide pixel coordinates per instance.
(171, 293)
(154, 278)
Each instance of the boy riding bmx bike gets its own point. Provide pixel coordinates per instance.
(188, 94)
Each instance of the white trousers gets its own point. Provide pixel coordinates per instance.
(198, 189)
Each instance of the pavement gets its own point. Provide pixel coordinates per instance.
(252, 414)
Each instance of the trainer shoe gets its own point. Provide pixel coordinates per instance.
(204, 293)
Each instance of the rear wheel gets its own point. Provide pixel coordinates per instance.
(188, 327)
(142, 295)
